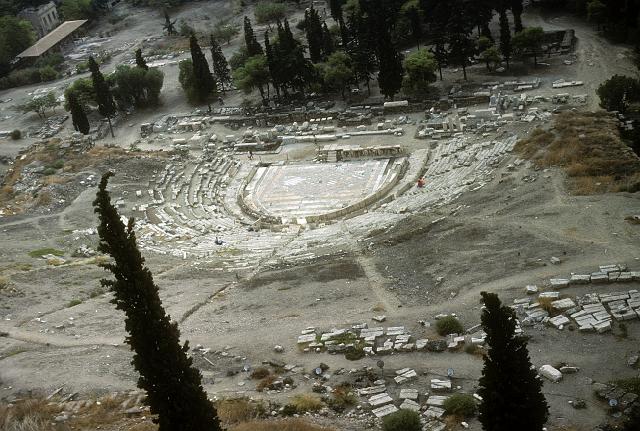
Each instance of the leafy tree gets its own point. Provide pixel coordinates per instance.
(16, 35)
(337, 72)
(76, 9)
(459, 28)
(82, 90)
(40, 104)
(529, 41)
(253, 47)
(269, 12)
(618, 92)
(140, 60)
(390, 74)
(173, 385)
(505, 37)
(510, 389)
(225, 32)
(413, 14)
(335, 7)
(238, 58)
(135, 86)
(421, 71)
(104, 99)
(220, 65)
(203, 81)
(491, 57)
(78, 116)
(254, 74)
(169, 26)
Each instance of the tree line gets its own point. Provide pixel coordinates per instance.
(360, 40)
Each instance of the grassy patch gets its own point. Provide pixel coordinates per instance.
(44, 251)
(4, 282)
(279, 425)
(233, 411)
(306, 403)
(589, 148)
(74, 302)
(98, 291)
(631, 384)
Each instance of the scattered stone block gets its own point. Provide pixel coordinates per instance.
(559, 321)
(380, 400)
(307, 338)
(563, 304)
(410, 405)
(379, 318)
(436, 400)
(569, 370)
(383, 411)
(408, 394)
(531, 289)
(580, 279)
(551, 295)
(550, 373)
(559, 283)
(440, 385)
(372, 390)
(602, 327)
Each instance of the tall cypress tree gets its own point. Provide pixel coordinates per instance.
(253, 47)
(140, 60)
(272, 62)
(327, 41)
(78, 116)
(516, 10)
(173, 385)
(220, 65)
(511, 391)
(104, 99)
(313, 30)
(505, 37)
(391, 70)
(203, 79)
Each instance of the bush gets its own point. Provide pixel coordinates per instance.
(16, 134)
(402, 420)
(449, 325)
(44, 251)
(260, 373)
(460, 405)
(73, 303)
(48, 73)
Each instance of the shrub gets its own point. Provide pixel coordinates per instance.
(306, 403)
(402, 420)
(260, 373)
(49, 171)
(16, 134)
(278, 425)
(43, 251)
(48, 73)
(237, 410)
(471, 348)
(264, 383)
(460, 405)
(342, 398)
(355, 354)
(449, 325)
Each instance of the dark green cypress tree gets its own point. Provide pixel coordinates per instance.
(272, 63)
(327, 41)
(78, 116)
(511, 391)
(173, 385)
(505, 37)
(516, 10)
(220, 64)
(140, 60)
(391, 70)
(104, 99)
(253, 47)
(313, 30)
(203, 80)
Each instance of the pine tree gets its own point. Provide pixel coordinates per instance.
(505, 37)
(104, 99)
(169, 25)
(511, 391)
(140, 60)
(78, 116)
(204, 82)
(253, 47)
(391, 71)
(220, 65)
(173, 385)
(459, 28)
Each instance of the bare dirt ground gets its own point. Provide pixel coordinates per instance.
(58, 329)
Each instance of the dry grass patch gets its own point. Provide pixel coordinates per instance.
(306, 403)
(28, 415)
(589, 148)
(233, 411)
(279, 425)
